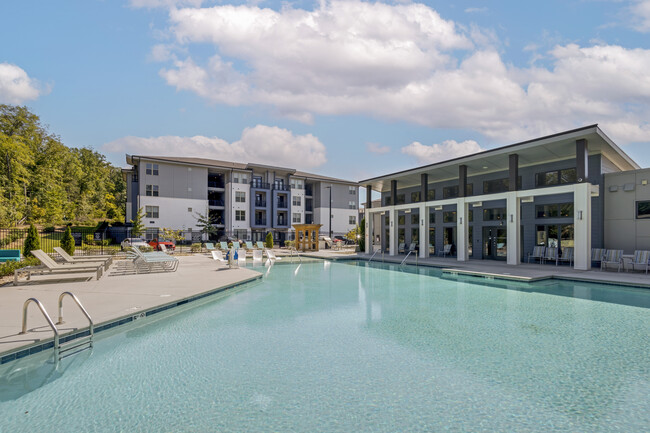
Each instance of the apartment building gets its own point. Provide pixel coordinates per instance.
(501, 203)
(243, 201)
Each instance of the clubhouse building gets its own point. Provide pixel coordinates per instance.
(573, 189)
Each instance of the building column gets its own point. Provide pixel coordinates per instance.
(368, 230)
(392, 231)
(582, 226)
(462, 181)
(513, 216)
(582, 161)
(462, 230)
(424, 187)
(393, 192)
(424, 231)
(368, 196)
(513, 172)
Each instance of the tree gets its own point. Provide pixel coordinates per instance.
(67, 241)
(205, 223)
(362, 233)
(138, 225)
(174, 235)
(32, 241)
(269, 240)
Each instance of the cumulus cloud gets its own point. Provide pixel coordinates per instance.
(401, 62)
(446, 150)
(377, 148)
(641, 15)
(261, 144)
(16, 86)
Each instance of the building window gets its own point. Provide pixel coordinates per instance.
(415, 235)
(556, 177)
(452, 191)
(414, 218)
(499, 185)
(295, 200)
(152, 190)
(496, 214)
(401, 199)
(240, 197)
(431, 194)
(415, 197)
(296, 218)
(562, 210)
(642, 209)
(151, 169)
(387, 220)
(401, 220)
(387, 201)
(432, 218)
(352, 190)
(449, 217)
(243, 179)
(151, 211)
(240, 215)
(296, 184)
(352, 219)
(189, 209)
(352, 204)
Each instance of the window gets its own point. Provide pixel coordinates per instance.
(498, 185)
(642, 209)
(352, 219)
(352, 190)
(240, 197)
(401, 199)
(415, 218)
(295, 218)
(449, 217)
(296, 184)
(431, 194)
(240, 215)
(189, 209)
(415, 235)
(556, 177)
(452, 191)
(295, 200)
(152, 190)
(387, 201)
(243, 179)
(497, 214)
(562, 210)
(151, 169)
(387, 220)
(415, 197)
(352, 204)
(401, 220)
(432, 218)
(151, 211)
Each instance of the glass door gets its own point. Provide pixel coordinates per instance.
(495, 243)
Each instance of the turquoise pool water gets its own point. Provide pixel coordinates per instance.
(336, 347)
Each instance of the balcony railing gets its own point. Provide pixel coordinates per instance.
(309, 191)
(216, 202)
(282, 222)
(260, 185)
(281, 187)
(260, 221)
(309, 208)
(260, 203)
(214, 184)
(283, 204)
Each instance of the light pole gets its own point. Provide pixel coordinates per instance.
(330, 188)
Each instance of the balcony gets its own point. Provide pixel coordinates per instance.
(260, 185)
(215, 184)
(215, 202)
(308, 191)
(309, 207)
(260, 203)
(283, 204)
(260, 221)
(281, 187)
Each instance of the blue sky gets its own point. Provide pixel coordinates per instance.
(344, 88)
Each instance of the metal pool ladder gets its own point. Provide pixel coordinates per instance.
(291, 250)
(373, 256)
(407, 256)
(63, 350)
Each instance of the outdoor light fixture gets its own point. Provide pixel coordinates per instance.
(579, 214)
(437, 208)
(512, 218)
(461, 220)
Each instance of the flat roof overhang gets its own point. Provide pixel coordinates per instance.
(547, 149)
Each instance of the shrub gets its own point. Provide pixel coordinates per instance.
(48, 229)
(8, 268)
(67, 241)
(269, 240)
(32, 241)
(146, 249)
(195, 248)
(289, 244)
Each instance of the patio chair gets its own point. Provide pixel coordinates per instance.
(218, 257)
(401, 247)
(260, 245)
(209, 246)
(641, 259)
(446, 250)
(249, 245)
(537, 254)
(163, 249)
(271, 255)
(223, 245)
(567, 256)
(105, 260)
(51, 267)
(550, 255)
(612, 258)
(413, 246)
(257, 256)
(235, 245)
(597, 255)
(152, 262)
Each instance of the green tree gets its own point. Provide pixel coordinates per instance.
(362, 233)
(32, 241)
(269, 240)
(138, 226)
(67, 241)
(205, 223)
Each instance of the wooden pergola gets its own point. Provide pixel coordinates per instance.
(307, 236)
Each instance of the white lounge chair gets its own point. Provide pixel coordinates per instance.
(537, 254)
(612, 258)
(218, 256)
(50, 266)
(640, 260)
(153, 262)
(106, 260)
(257, 255)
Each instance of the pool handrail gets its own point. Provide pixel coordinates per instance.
(49, 322)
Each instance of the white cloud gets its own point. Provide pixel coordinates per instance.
(641, 15)
(152, 4)
(448, 149)
(261, 144)
(16, 86)
(377, 148)
(476, 10)
(402, 62)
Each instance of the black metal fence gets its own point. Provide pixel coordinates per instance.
(87, 240)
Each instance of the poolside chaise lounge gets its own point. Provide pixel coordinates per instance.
(537, 254)
(223, 245)
(51, 266)
(257, 255)
(597, 255)
(640, 260)
(209, 246)
(152, 262)
(235, 245)
(260, 245)
(106, 260)
(445, 251)
(613, 258)
(567, 256)
(249, 245)
(218, 257)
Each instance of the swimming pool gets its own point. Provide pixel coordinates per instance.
(350, 347)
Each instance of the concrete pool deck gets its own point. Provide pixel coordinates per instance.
(112, 297)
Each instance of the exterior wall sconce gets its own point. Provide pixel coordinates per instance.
(421, 222)
(512, 218)
(461, 220)
(580, 215)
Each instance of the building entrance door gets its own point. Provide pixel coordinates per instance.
(495, 243)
